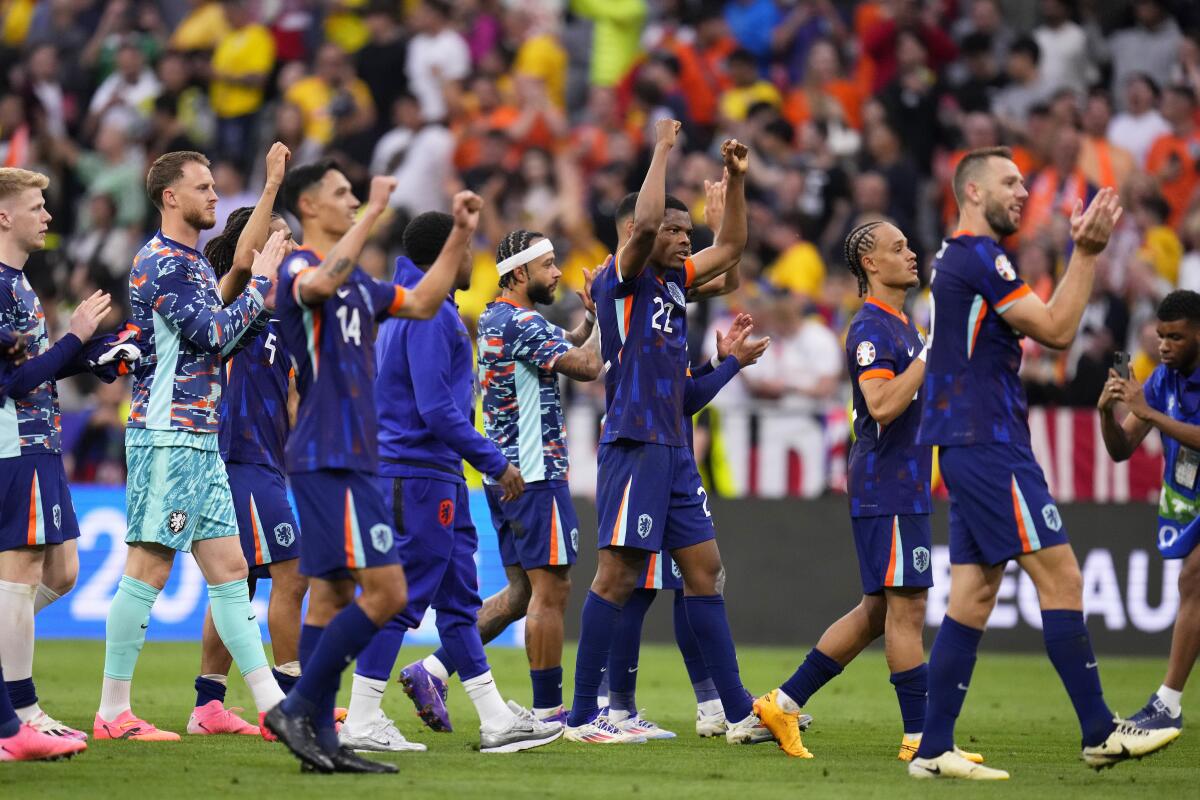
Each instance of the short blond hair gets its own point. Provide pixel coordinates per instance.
(13, 181)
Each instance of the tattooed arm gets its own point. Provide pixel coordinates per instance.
(319, 285)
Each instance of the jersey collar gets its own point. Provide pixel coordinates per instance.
(180, 245)
(900, 315)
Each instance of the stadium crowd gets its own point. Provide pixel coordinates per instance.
(853, 110)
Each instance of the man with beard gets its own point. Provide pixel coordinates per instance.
(178, 493)
(521, 355)
(975, 411)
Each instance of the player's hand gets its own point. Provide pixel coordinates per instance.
(266, 262)
(465, 208)
(1090, 229)
(736, 156)
(665, 131)
(88, 315)
(1129, 392)
(1110, 395)
(277, 161)
(714, 202)
(585, 296)
(748, 351)
(512, 483)
(741, 323)
(380, 192)
(18, 351)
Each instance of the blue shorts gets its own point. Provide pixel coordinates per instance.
(266, 524)
(661, 572)
(437, 542)
(539, 528)
(893, 552)
(177, 491)
(35, 502)
(347, 522)
(649, 497)
(1000, 507)
(1177, 539)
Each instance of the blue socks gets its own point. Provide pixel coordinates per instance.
(706, 616)
(547, 687)
(817, 670)
(285, 681)
(912, 686)
(951, 663)
(379, 657)
(9, 722)
(626, 647)
(1070, 649)
(21, 693)
(693, 659)
(598, 624)
(208, 690)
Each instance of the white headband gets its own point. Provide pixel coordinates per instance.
(524, 257)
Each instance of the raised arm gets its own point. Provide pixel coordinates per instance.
(1054, 324)
(424, 299)
(258, 227)
(319, 285)
(651, 203)
(1121, 439)
(726, 250)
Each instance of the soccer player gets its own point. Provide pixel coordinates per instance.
(648, 491)
(38, 529)
(521, 355)
(328, 310)
(889, 497)
(253, 431)
(178, 493)
(974, 409)
(1170, 403)
(20, 741)
(425, 393)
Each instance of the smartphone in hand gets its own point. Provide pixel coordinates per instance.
(1121, 364)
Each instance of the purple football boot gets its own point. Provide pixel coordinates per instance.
(428, 694)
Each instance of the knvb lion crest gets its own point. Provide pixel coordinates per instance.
(921, 559)
(675, 569)
(284, 534)
(177, 521)
(645, 525)
(1051, 517)
(56, 513)
(575, 539)
(381, 537)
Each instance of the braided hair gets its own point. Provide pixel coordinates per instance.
(221, 248)
(860, 242)
(512, 244)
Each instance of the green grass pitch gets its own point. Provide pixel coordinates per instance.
(1017, 715)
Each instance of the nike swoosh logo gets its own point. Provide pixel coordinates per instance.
(145, 625)
(910, 351)
(632, 670)
(604, 669)
(962, 688)
(343, 293)
(252, 617)
(933, 770)
(1092, 664)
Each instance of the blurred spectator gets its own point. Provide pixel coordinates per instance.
(98, 454)
(126, 97)
(616, 29)
(100, 255)
(241, 66)
(1161, 248)
(1189, 266)
(1136, 128)
(825, 94)
(116, 169)
(382, 60)
(976, 88)
(332, 100)
(59, 105)
(420, 155)
(881, 41)
(1174, 157)
(1063, 44)
(752, 23)
(1150, 47)
(1026, 85)
(437, 57)
(746, 88)
(1102, 162)
(202, 29)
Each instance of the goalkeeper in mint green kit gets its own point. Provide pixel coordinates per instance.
(178, 494)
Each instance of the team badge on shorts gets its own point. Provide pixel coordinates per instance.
(1051, 516)
(920, 559)
(284, 534)
(676, 293)
(381, 537)
(446, 512)
(575, 539)
(56, 512)
(675, 569)
(865, 354)
(177, 521)
(1005, 268)
(645, 525)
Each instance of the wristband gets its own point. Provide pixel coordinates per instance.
(590, 316)
(715, 361)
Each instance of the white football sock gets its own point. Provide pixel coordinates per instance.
(366, 699)
(545, 713)
(114, 698)
(262, 685)
(787, 703)
(45, 596)
(916, 735)
(16, 620)
(710, 708)
(435, 668)
(1171, 698)
(28, 712)
(216, 678)
(494, 713)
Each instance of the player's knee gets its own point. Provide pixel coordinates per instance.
(614, 585)
(62, 580)
(553, 593)
(1189, 581)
